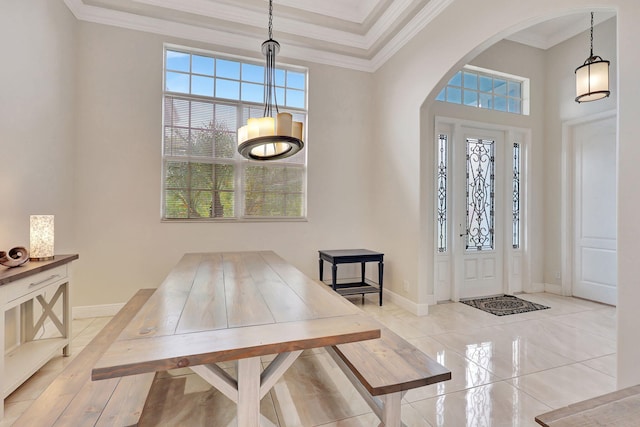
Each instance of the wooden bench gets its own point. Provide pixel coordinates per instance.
(384, 369)
(72, 399)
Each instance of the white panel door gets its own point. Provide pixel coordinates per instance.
(480, 175)
(595, 227)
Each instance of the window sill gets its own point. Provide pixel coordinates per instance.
(230, 220)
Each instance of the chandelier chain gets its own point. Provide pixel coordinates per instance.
(591, 35)
(271, 19)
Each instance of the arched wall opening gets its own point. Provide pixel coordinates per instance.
(401, 183)
(535, 265)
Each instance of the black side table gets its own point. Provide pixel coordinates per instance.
(348, 256)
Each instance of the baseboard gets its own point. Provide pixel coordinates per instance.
(536, 287)
(104, 310)
(405, 303)
(553, 288)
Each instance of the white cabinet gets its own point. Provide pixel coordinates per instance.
(39, 291)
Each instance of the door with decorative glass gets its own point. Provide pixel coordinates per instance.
(480, 177)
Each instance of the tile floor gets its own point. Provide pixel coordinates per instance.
(506, 370)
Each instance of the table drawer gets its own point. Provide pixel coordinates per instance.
(37, 281)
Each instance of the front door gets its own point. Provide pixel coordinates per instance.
(595, 226)
(480, 175)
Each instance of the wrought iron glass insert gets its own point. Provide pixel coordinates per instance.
(516, 196)
(442, 193)
(480, 194)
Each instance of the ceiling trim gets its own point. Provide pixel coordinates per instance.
(164, 27)
(255, 18)
(130, 21)
(258, 19)
(567, 31)
(417, 24)
(357, 14)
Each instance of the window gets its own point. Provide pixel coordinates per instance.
(482, 88)
(515, 211)
(206, 98)
(441, 182)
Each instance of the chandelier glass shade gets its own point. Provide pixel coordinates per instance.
(592, 78)
(269, 137)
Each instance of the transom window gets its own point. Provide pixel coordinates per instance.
(482, 88)
(207, 97)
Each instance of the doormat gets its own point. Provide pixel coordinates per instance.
(504, 305)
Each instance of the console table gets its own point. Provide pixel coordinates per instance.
(349, 256)
(45, 282)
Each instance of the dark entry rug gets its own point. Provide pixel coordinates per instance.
(504, 305)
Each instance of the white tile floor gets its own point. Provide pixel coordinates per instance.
(505, 370)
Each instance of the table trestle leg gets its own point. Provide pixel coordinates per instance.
(249, 392)
(219, 378)
(252, 383)
(276, 369)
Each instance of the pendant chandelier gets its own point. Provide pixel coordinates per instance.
(268, 137)
(592, 78)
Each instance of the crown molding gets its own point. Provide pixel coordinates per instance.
(165, 27)
(254, 18)
(567, 31)
(356, 15)
(417, 24)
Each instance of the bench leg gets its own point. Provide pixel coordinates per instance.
(391, 404)
(386, 407)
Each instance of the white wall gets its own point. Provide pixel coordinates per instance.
(408, 78)
(121, 241)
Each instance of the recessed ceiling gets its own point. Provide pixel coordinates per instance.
(357, 34)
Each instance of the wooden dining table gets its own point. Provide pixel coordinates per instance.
(234, 306)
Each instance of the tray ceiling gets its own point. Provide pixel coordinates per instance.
(357, 34)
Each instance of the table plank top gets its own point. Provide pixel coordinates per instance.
(620, 408)
(214, 307)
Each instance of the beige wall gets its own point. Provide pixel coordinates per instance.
(37, 127)
(367, 159)
(123, 244)
(560, 91)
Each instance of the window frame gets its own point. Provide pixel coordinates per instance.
(241, 165)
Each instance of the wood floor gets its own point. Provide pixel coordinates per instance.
(506, 370)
